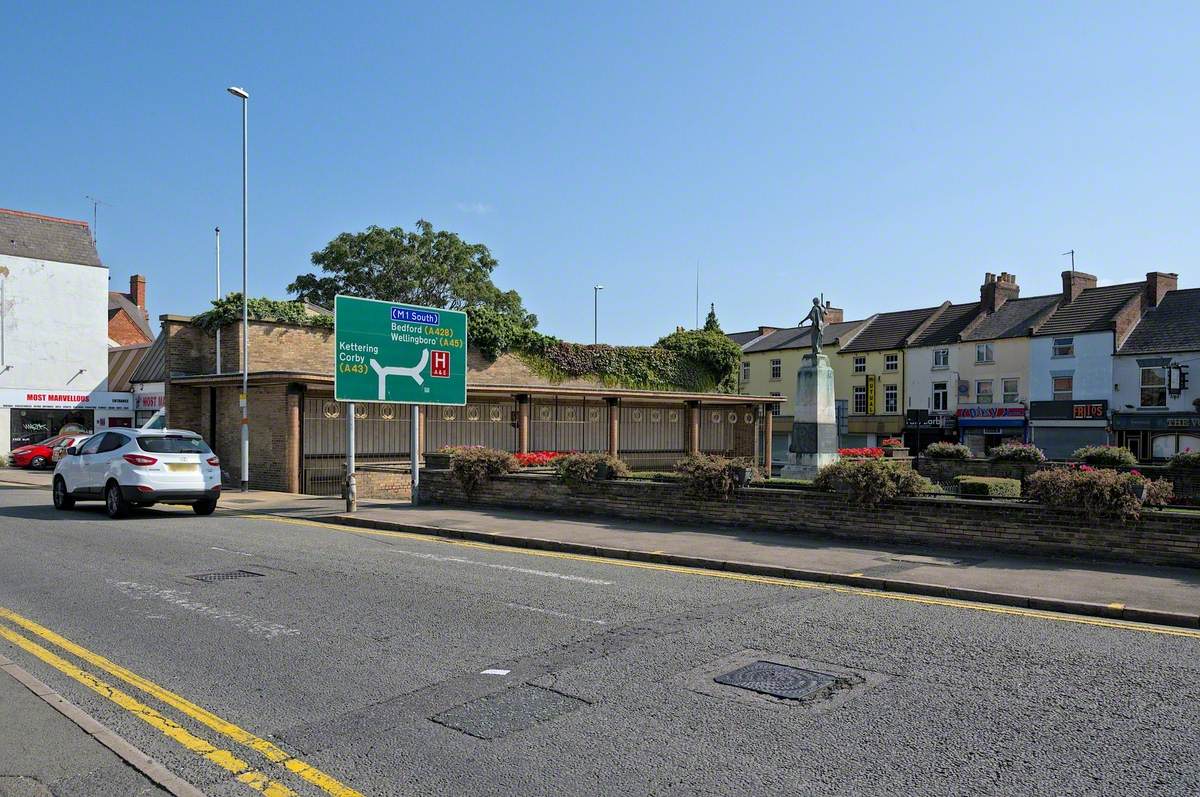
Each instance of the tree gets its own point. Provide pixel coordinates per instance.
(422, 266)
(710, 322)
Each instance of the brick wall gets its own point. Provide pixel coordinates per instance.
(1171, 537)
(124, 331)
(380, 481)
(943, 471)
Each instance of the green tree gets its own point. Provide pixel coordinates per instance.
(711, 324)
(434, 268)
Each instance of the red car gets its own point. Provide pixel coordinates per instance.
(37, 455)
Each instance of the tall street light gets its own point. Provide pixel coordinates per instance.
(244, 96)
(596, 312)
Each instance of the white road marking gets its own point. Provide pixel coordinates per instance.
(495, 672)
(552, 613)
(180, 598)
(527, 571)
(227, 550)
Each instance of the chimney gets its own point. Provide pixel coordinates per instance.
(1157, 285)
(766, 330)
(1075, 283)
(995, 291)
(137, 293)
(833, 315)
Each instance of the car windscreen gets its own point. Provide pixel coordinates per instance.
(172, 444)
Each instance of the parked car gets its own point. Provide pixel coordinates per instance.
(139, 467)
(37, 455)
(66, 441)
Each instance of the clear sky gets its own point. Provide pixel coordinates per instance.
(884, 154)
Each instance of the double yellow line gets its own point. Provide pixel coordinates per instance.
(240, 769)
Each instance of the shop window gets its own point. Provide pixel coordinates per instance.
(34, 425)
(941, 397)
(745, 371)
(775, 407)
(1154, 387)
(1064, 347)
(776, 369)
(891, 398)
(983, 391)
(983, 353)
(941, 358)
(891, 362)
(860, 399)
(1064, 388)
(860, 365)
(1168, 445)
(1012, 390)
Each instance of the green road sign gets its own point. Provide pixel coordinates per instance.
(398, 353)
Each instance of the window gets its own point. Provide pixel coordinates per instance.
(775, 409)
(1012, 390)
(111, 442)
(983, 353)
(860, 365)
(860, 399)
(173, 444)
(941, 397)
(1154, 387)
(1064, 388)
(1064, 347)
(941, 358)
(776, 369)
(891, 362)
(891, 398)
(91, 445)
(983, 391)
(745, 371)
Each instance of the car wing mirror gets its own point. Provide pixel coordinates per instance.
(72, 451)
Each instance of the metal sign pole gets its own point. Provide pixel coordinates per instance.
(351, 486)
(415, 450)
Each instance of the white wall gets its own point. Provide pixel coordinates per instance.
(55, 319)
(1127, 375)
(1091, 366)
(919, 376)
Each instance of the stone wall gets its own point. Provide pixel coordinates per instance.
(1168, 537)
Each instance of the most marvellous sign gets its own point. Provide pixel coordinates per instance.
(11, 398)
(398, 353)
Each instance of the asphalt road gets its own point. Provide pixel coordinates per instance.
(360, 659)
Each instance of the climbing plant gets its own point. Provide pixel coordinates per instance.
(228, 310)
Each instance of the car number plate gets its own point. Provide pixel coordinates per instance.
(184, 467)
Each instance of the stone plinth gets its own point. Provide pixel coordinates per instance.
(814, 420)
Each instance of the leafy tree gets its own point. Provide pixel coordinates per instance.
(711, 324)
(434, 268)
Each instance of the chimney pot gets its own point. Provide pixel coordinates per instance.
(1075, 283)
(994, 293)
(137, 293)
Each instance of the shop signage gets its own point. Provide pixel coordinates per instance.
(992, 412)
(923, 418)
(398, 353)
(1180, 420)
(1068, 410)
(19, 398)
(150, 401)
(870, 394)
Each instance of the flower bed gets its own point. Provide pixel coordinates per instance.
(947, 451)
(861, 453)
(1106, 456)
(539, 459)
(1017, 452)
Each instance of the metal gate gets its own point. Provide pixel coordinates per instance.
(381, 435)
(568, 425)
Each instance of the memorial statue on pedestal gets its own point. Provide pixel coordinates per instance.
(817, 316)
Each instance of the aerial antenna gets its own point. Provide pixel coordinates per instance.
(96, 203)
(1072, 254)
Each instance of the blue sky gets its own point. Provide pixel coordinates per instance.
(884, 154)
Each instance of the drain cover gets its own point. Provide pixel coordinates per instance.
(778, 680)
(210, 577)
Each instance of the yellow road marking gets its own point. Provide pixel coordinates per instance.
(855, 575)
(271, 752)
(1115, 605)
(1123, 625)
(171, 729)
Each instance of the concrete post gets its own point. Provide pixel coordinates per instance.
(523, 424)
(292, 464)
(768, 435)
(614, 426)
(693, 447)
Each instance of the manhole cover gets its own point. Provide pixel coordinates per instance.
(778, 680)
(210, 577)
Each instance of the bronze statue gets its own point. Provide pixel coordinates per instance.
(817, 316)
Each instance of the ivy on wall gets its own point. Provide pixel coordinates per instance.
(228, 310)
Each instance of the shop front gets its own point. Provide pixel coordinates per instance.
(147, 403)
(33, 415)
(921, 427)
(1157, 435)
(1061, 427)
(982, 427)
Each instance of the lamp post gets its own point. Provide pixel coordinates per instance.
(218, 232)
(596, 312)
(244, 97)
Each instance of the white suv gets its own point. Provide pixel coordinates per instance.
(139, 467)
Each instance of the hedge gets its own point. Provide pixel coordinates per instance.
(992, 486)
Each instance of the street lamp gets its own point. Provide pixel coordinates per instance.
(596, 312)
(244, 96)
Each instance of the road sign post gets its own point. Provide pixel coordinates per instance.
(394, 353)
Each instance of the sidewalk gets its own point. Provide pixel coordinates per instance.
(1166, 595)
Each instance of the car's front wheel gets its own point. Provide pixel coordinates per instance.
(205, 507)
(37, 463)
(115, 503)
(62, 499)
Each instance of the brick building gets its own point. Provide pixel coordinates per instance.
(128, 316)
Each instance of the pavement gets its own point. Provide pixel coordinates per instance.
(276, 654)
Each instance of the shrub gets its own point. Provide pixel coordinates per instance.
(575, 469)
(947, 451)
(1017, 452)
(1098, 492)
(1186, 460)
(892, 442)
(870, 453)
(1105, 456)
(711, 476)
(538, 459)
(474, 465)
(871, 481)
(992, 486)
